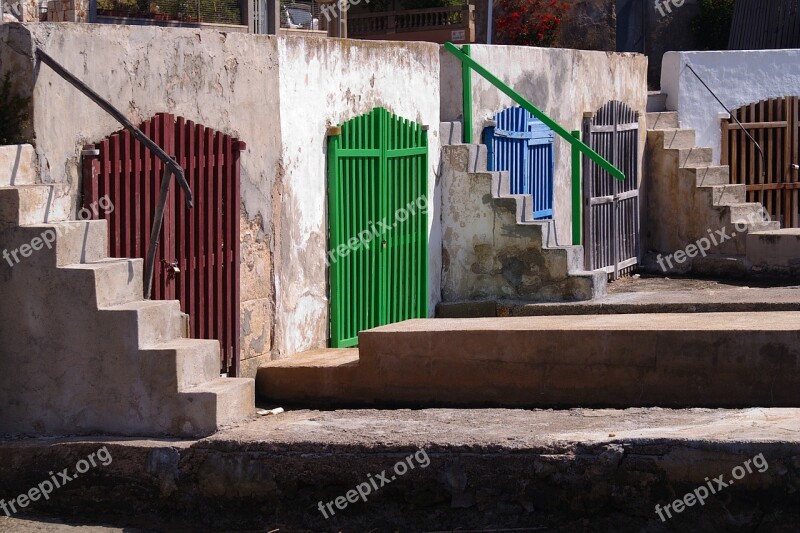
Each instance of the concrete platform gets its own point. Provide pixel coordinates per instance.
(719, 300)
(634, 360)
(486, 470)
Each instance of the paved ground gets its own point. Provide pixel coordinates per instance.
(490, 470)
(47, 525)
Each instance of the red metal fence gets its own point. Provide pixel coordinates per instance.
(197, 261)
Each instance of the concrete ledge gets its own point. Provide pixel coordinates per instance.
(555, 470)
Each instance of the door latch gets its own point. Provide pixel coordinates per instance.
(173, 269)
(796, 167)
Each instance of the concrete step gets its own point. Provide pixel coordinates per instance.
(31, 204)
(451, 133)
(219, 403)
(707, 176)
(17, 165)
(109, 282)
(724, 195)
(694, 157)
(656, 102)
(723, 360)
(735, 299)
(775, 249)
(181, 364)
(58, 244)
(662, 120)
(673, 138)
(148, 323)
(570, 468)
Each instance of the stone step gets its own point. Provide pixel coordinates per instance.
(34, 204)
(673, 138)
(735, 299)
(181, 364)
(707, 176)
(148, 323)
(694, 157)
(724, 195)
(779, 248)
(656, 102)
(17, 165)
(109, 282)
(59, 244)
(570, 468)
(723, 360)
(662, 120)
(218, 404)
(451, 133)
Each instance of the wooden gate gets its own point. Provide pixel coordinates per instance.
(197, 261)
(611, 207)
(775, 126)
(522, 145)
(378, 224)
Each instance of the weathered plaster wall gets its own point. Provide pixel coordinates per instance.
(737, 77)
(279, 95)
(325, 82)
(565, 84)
(226, 81)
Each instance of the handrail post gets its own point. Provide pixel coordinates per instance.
(577, 194)
(466, 83)
(155, 232)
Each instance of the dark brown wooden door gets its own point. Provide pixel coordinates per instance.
(197, 261)
(774, 180)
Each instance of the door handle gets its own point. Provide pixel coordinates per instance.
(796, 167)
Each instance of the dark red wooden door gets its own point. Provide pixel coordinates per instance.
(197, 261)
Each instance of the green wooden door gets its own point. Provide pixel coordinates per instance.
(378, 224)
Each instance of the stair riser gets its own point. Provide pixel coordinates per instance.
(673, 139)
(661, 121)
(707, 176)
(151, 324)
(724, 195)
(65, 243)
(774, 250)
(695, 157)
(17, 165)
(582, 368)
(179, 369)
(451, 133)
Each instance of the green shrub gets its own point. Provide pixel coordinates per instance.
(712, 25)
(13, 114)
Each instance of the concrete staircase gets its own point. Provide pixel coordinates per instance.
(499, 250)
(691, 199)
(81, 351)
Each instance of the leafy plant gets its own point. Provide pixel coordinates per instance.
(712, 25)
(14, 117)
(530, 22)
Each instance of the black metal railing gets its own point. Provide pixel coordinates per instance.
(733, 116)
(171, 168)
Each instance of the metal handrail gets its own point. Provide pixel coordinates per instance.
(525, 104)
(730, 113)
(171, 167)
(573, 138)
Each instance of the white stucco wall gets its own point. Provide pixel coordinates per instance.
(737, 77)
(279, 95)
(563, 83)
(324, 82)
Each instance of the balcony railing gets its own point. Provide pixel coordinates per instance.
(443, 24)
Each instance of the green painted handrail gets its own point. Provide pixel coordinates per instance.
(536, 112)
